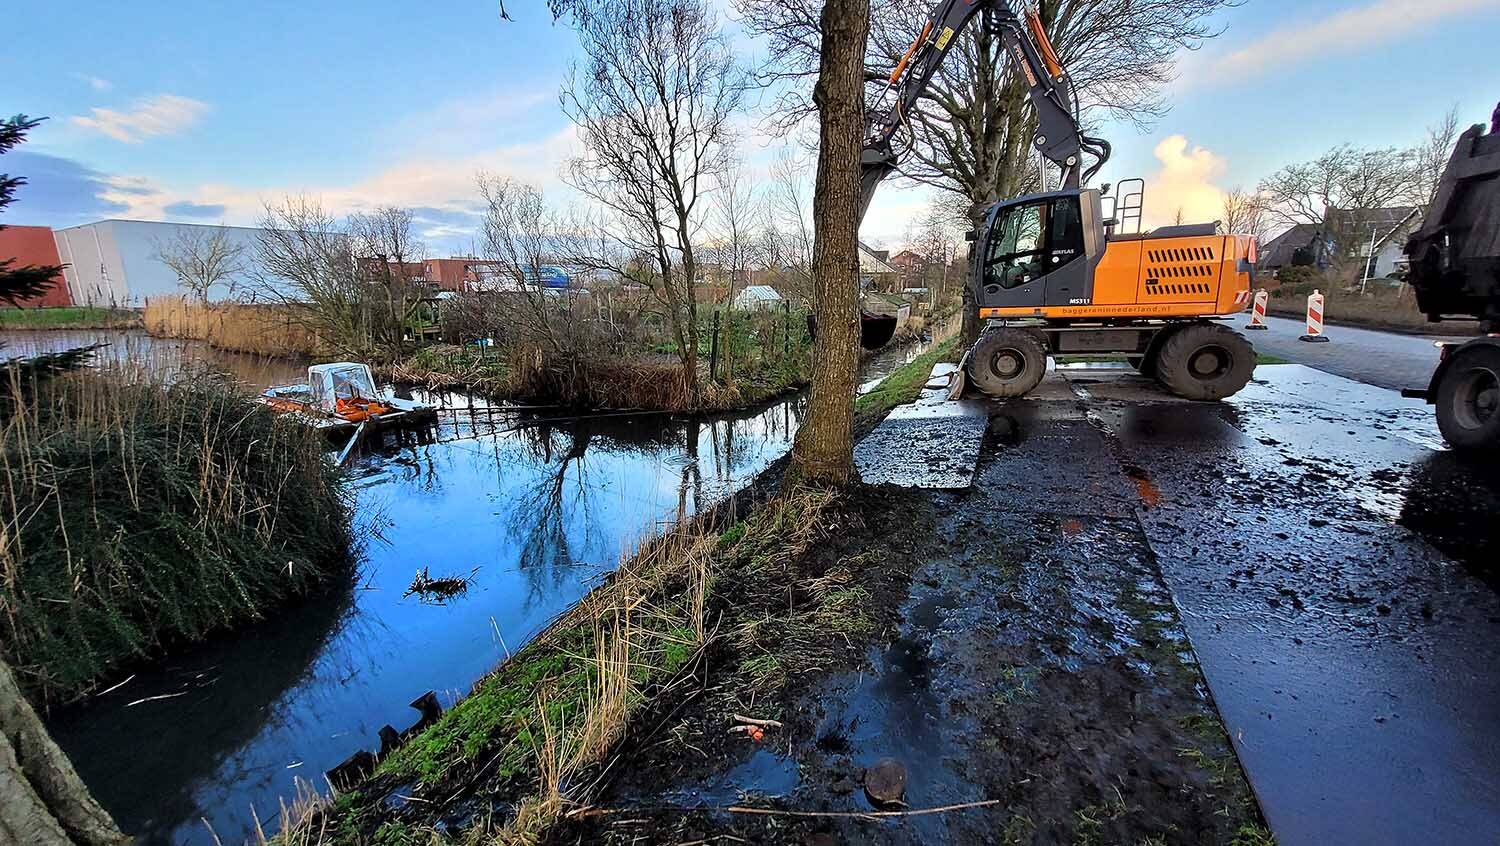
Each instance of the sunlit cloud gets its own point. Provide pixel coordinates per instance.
(1183, 185)
(164, 114)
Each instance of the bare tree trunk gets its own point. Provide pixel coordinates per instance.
(824, 448)
(42, 800)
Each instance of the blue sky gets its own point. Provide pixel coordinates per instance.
(168, 111)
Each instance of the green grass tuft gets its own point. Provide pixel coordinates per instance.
(69, 317)
(905, 384)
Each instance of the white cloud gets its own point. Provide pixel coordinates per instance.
(164, 114)
(1352, 29)
(94, 82)
(1184, 183)
(442, 186)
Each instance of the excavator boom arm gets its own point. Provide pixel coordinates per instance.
(1058, 136)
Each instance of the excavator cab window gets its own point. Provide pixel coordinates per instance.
(1064, 233)
(1032, 240)
(1017, 252)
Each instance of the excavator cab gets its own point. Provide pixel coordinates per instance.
(1040, 250)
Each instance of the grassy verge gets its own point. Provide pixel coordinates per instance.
(535, 736)
(138, 515)
(69, 317)
(905, 384)
(1267, 358)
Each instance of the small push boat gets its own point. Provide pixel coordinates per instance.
(339, 397)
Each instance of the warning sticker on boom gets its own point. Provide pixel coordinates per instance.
(942, 40)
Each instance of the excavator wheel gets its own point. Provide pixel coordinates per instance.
(1468, 400)
(1007, 362)
(1204, 361)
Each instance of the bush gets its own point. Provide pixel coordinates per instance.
(141, 514)
(1298, 281)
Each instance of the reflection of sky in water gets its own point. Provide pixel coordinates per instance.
(538, 512)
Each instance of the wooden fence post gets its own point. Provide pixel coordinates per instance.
(713, 350)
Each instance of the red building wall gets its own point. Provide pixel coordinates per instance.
(29, 245)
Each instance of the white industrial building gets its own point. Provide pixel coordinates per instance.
(113, 262)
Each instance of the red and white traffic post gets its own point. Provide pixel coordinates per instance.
(1315, 319)
(1258, 311)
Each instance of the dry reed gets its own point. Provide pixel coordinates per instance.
(269, 330)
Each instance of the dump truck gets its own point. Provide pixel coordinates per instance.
(1061, 271)
(1454, 270)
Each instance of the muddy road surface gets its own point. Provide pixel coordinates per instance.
(1147, 621)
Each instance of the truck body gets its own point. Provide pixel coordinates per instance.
(1455, 273)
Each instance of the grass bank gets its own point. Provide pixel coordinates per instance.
(903, 385)
(68, 317)
(537, 736)
(265, 330)
(139, 515)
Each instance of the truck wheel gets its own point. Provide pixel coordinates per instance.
(1468, 400)
(1007, 362)
(1205, 361)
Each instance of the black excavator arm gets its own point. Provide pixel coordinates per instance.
(1058, 137)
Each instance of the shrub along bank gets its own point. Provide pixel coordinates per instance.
(139, 515)
(744, 359)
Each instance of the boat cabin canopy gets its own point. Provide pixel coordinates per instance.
(330, 383)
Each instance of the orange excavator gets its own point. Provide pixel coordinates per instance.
(1057, 272)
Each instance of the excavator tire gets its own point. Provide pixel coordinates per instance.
(1007, 362)
(1468, 400)
(1205, 361)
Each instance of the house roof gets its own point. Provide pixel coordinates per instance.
(871, 263)
(1362, 220)
(1278, 251)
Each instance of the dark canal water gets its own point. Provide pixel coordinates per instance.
(536, 508)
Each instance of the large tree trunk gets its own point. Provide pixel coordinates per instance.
(824, 449)
(42, 800)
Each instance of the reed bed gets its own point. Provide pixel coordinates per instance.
(136, 514)
(268, 330)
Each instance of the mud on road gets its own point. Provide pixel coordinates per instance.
(1025, 659)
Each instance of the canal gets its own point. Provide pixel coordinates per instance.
(534, 507)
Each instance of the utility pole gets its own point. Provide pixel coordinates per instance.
(1369, 260)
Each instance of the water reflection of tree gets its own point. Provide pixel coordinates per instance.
(555, 499)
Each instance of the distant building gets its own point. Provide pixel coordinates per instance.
(874, 273)
(908, 261)
(1300, 245)
(1343, 241)
(34, 246)
(1354, 232)
(757, 297)
(113, 262)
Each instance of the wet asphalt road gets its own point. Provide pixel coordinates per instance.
(1353, 660)
(1378, 358)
